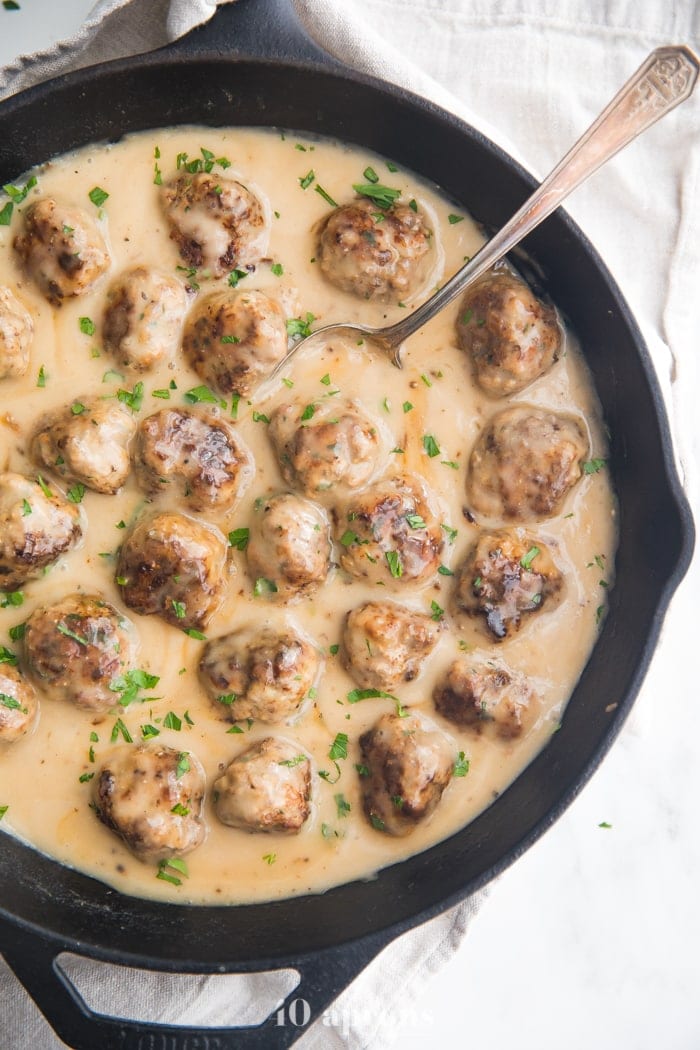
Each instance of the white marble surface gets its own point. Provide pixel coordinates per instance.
(591, 938)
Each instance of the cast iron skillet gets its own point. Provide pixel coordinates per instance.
(46, 908)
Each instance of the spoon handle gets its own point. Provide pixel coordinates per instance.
(664, 80)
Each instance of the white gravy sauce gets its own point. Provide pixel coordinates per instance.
(47, 805)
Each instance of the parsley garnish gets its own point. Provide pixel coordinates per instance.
(431, 446)
(201, 393)
(183, 764)
(527, 559)
(382, 195)
(437, 612)
(238, 538)
(592, 466)
(86, 325)
(98, 196)
(393, 560)
(298, 328)
(118, 728)
(235, 276)
(264, 586)
(132, 398)
(461, 766)
(130, 684)
(76, 492)
(339, 747)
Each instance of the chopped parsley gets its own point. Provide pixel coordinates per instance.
(416, 521)
(238, 538)
(291, 762)
(444, 571)
(454, 219)
(41, 377)
(461, 766)
(393, 560)
(308, 413)
(120, 729)
(326, 196)
(298, 328)
(369, 694)
(76, 492)
(382, 195)
(98, 196)
(431, 446)
(132, 398)
(592, 466)
(175, 864)
(62, 629)
(235, 276)
(7, 656)
(192, 632)
(148, 732)
(264, 586)
(306, 180)
(407, 406)
(179, 608)
(86, 325)
(277, 269)
(201, 393)
(342, 805)
(171, 721)
(339, 747)
(437, 612)
(183, 765)
(449, 532)
(11, 598)
(260, 417)
(528, 558)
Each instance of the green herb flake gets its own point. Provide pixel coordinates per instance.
(383, 196)
(171, 721)
(407, 406)
(17, 632)
(98, 196)
(444, 571)
(269, 858)
(592, 466)
(334, 649)
(41, 377)
(238, 538)
(292, 762)
(449, 532)
(85, 777)
(183, 764)
(235, 276)
(277, 269)
(393, 560)
(604, 824)
(179, 608)
(133, 399)
(175, 864)
(306, 180)
(308, 413)
(260, 417)
(450, 463)
(148, 732)
(326, 380)
(376, 822)
(76, 492)
(6, 213)
(234, 729)
(202, 394)
(437, 612)
(120, 729)
(339, 747)
(86, 325)
(299, 328)
(431, 446)
(66, 631)
(415, 521)
(341, 804)
(370, 175)
(3, 811)
(163, 394)
(528, 558)
(7, 656)
(192, 632)
(11, 703)
(454, 219)
(355, 695)
(179, 810)
(263, 586)
(9, 599)
(461, 766)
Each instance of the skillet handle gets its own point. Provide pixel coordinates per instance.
(264, 29)
(324, 975)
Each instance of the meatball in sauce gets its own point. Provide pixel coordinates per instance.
(487, 698)
(19, 705)
(524, 464)
(374, 252)
(289, 551)
(233, 340)
(408, 763)
(198, 460)
(217, 223)
(261, 674)
(510, 336)
(151, 796)
(78, 649)
(508, 577)
(385, 644)
(16, 332)
(173, 567)
(87, 442)
(143, 318)
(37, 526)
(266, 788)
(62, 249)
(390, 533)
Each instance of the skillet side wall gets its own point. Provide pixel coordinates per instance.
(655, 527)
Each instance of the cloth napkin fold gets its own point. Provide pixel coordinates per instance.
(531, 74)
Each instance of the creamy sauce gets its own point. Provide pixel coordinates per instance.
(47, 804)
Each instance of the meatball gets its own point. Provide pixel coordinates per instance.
(289, 550)
(78, 648)
(511, 336)
(409, 764)
(524, 463)
(376, 253)
(322, 448)
(487, 698)
(264, 675)
(16, 331)
(143, 318)
(19, 706)
(390, 533)
(172, 566)
(386, 644)
(217, 223)
(151, 796)
(200, 457)
(507, 575)
(88, 442)
(233, 340)
(37, 526)
(62, 249)
(267, 788)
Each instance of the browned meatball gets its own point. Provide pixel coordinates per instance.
(386, 644)
(19, 706)
(37, 526)
(524, 463)
(217, 223)
(62, 249)
(507, 575)
(510, 335)
(289, 551)
(172, 566)
(390, 533)
(267, 788)
(199, 458)
(487, 699)
(87, 441)
(76, 650)
(325, 448)
(233, 340)
(143, 318)
(151, 796)
(261, 674)
(16, 331)
(376, 253)
(409, 763)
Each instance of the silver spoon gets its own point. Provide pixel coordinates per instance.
(661, 83)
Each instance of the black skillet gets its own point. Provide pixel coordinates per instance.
(254, 65)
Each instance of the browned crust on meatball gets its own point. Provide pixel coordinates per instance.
(62, 249)
(373, 252)
(77, 648)
(409, 763)
(512, 337)
(151, 796)
(524, 464)
(265, 789)
(172, 566)
(200, 456)
(487, 699)
(507, 577)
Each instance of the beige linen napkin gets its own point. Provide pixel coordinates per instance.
(531, 74)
